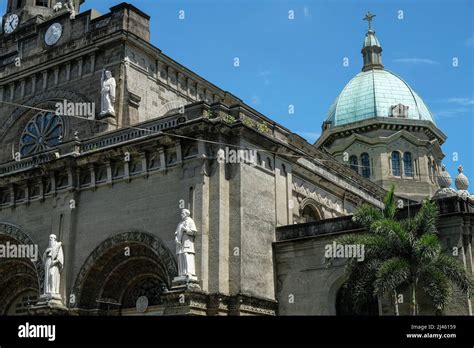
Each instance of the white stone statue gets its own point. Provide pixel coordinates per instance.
(58, 6)
(184, 237)
(108, 94)
(69, 4)
(53, 259)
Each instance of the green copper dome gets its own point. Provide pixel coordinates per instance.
(373, 93)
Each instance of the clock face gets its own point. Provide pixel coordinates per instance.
(11, 23)
(53, 34)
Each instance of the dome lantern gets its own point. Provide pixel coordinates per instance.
(371, 51)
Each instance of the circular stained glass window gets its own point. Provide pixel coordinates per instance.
(44, 131)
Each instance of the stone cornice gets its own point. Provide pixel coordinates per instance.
(395, 124)
(354, 137)
(205, 119)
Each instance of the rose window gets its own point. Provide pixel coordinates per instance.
(43, 132)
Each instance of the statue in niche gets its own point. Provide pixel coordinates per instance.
(108, 94)
(53, 260)
(184, 238)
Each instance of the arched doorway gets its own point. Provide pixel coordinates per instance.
(20, 278)
(345, 305)
(120, 271)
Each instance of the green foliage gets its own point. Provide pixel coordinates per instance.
(228, 119)
(263, 127)
(391, 274)
(248, 122)
(389, 202)
(425, 220)
(366, 215)
(401, 254)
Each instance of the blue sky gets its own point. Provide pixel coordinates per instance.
(300, 62)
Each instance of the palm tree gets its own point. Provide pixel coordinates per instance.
(401, 254)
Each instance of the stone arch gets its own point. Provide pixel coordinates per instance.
(18, 275)
(107, 272)
(341, 306)
(334, 291)
(314, 206)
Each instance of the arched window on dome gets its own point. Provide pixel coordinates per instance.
(396, 163)
(408, 164)
(365, 163)
(353, 163)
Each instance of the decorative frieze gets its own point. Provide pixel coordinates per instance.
(318, 194)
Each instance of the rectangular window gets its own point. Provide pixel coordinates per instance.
(43, 3)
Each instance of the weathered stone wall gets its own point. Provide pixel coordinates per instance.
(236, 207)
(149, 84)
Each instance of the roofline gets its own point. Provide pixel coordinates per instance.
(375, 121)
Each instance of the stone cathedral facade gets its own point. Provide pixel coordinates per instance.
(110, 185)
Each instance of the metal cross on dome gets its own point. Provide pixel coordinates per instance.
(369, 17)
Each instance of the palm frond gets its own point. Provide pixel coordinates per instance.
(400, 253)
(366, 215)
(375, 246)
(427, 247)
(359, 285)
(425, 220)
(455, 272)
(389, 202)
(437, 287)
(391, 275)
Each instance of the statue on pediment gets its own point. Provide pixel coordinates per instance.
(184, 238)
(67, 5)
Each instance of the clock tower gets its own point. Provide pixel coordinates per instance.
(20, 12)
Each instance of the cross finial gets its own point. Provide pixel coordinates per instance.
(369, 17)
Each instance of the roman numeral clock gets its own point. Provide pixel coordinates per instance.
(24, 15)
(11, 23)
